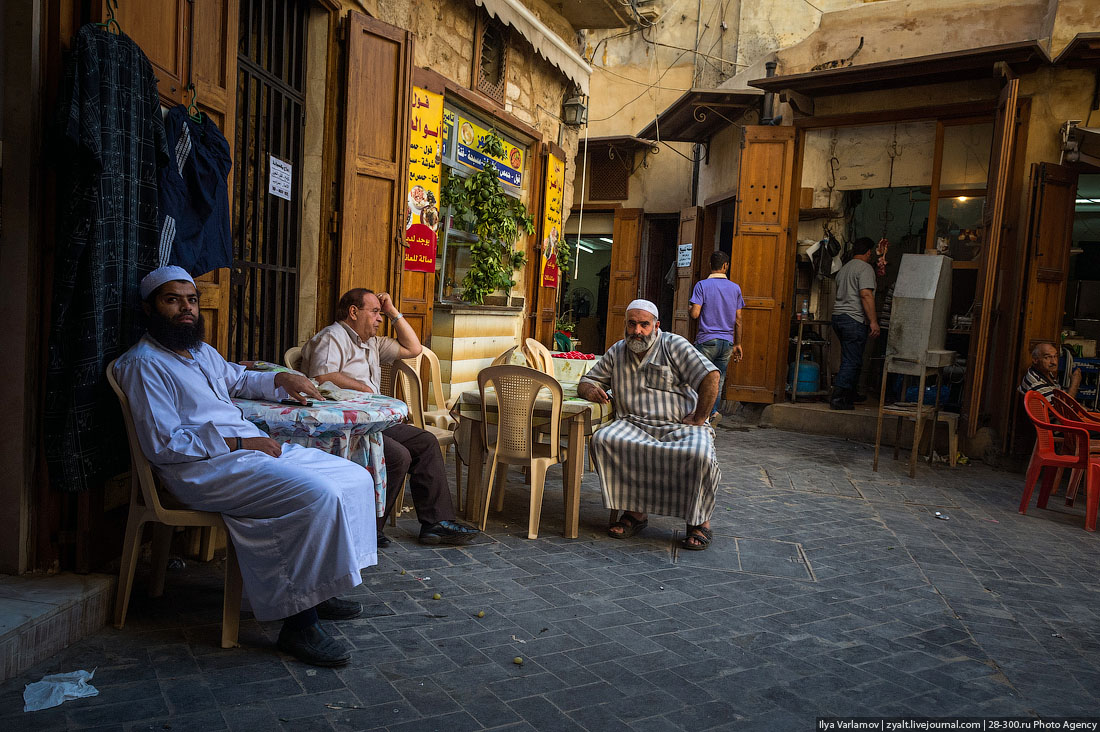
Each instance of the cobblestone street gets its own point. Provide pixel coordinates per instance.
(828, 590)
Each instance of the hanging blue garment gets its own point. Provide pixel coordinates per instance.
(194, 196)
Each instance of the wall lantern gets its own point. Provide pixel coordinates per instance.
(574, 110)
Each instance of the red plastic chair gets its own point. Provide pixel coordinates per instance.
(1074, 455)
(1062, 401)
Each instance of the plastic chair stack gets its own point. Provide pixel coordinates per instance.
(1073, 453)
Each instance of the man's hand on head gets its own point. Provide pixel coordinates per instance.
(593, 393)
(297, 386)
(386, 303)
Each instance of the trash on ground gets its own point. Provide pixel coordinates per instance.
(1055, 635)
(55, 689)
(437, 596)
(993, 521)
(942, 516)
(518, 640)
(481, 613)
(961, 459)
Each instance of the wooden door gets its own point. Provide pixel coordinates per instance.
(691, 234)
(185, 47)
(993, 220)
(762, 261)
(544, 300)
(162, 29)
(625, 250)
(375, 156)
(1049, 233)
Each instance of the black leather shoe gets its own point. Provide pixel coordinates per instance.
(314, 646)
(383, 540)
(841, 404)
(337, 609)
(447, 532)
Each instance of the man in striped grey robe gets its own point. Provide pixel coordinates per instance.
(658, 455)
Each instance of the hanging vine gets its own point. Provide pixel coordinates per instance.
(496, 219)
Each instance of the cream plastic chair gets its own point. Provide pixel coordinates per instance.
(292, 359)
(146, 506)
(440, 416)
(517, 388)
(400, 378)
(505, 358)
(538, 356)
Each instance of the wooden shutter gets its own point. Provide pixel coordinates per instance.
(544, 300)
(1049, 235)
(691, 232)
(375, 152)
(993, 219)
(762, 261)
(625, 249)
(186, 43)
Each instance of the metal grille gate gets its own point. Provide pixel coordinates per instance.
(263, 308)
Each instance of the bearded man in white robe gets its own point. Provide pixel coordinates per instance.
(658, 455)
(300, 520)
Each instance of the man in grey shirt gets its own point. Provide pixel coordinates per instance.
(854, 319)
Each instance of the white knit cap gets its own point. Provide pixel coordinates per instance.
(159, 276)
(644, 305)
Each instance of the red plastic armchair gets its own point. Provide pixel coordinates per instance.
(1064, 403)
(1073, 454)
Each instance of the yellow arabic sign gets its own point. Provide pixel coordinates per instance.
(425, 166)
(551, 223)
(468, 151)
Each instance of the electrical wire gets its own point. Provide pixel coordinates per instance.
(644, 91)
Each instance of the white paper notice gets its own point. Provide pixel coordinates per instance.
(280, 175)
(683, 255)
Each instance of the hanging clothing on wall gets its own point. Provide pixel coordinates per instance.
(108, 148)
(194, 196)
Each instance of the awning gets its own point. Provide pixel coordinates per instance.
(1023, 57)
(620, 142)
(699, 113)
(1082, 52)
(546, 42)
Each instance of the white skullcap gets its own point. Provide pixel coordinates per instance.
(159, 276)
(644, 305)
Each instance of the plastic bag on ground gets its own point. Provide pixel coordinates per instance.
(54, 689)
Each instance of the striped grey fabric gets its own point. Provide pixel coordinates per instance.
(647, 459)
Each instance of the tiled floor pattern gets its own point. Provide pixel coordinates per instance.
(829, 589)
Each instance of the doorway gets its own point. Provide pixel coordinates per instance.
(658, 276)
(271, 62)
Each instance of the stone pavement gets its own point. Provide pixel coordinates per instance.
(829, 590)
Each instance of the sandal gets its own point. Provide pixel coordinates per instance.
(697, 538)
(630, 525)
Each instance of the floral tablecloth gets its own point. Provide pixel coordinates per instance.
(350, 427)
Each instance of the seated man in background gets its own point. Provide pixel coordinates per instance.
(658, 455)
(299, 518)
(350, 354)
(1043, 374)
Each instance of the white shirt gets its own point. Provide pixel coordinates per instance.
(181, 406)
(338, 348)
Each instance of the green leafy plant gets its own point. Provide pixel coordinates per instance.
(564, 324)
(478, 202)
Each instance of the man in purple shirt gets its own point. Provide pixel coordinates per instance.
(716, 303)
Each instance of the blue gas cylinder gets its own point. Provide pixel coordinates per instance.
(809, 375)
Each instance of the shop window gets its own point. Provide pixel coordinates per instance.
(609, 178)
(491, 58)
(461, 156)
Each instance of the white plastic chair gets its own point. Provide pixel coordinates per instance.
(146, 506)
(517, 388)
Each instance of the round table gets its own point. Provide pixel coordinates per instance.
(351, 428)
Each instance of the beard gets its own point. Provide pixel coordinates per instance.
(176, 336)
(641, 344)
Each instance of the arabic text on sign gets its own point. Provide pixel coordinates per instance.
(280, 177)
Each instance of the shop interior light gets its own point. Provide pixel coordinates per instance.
(609, 241)
(583, 248)
(961, 199)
